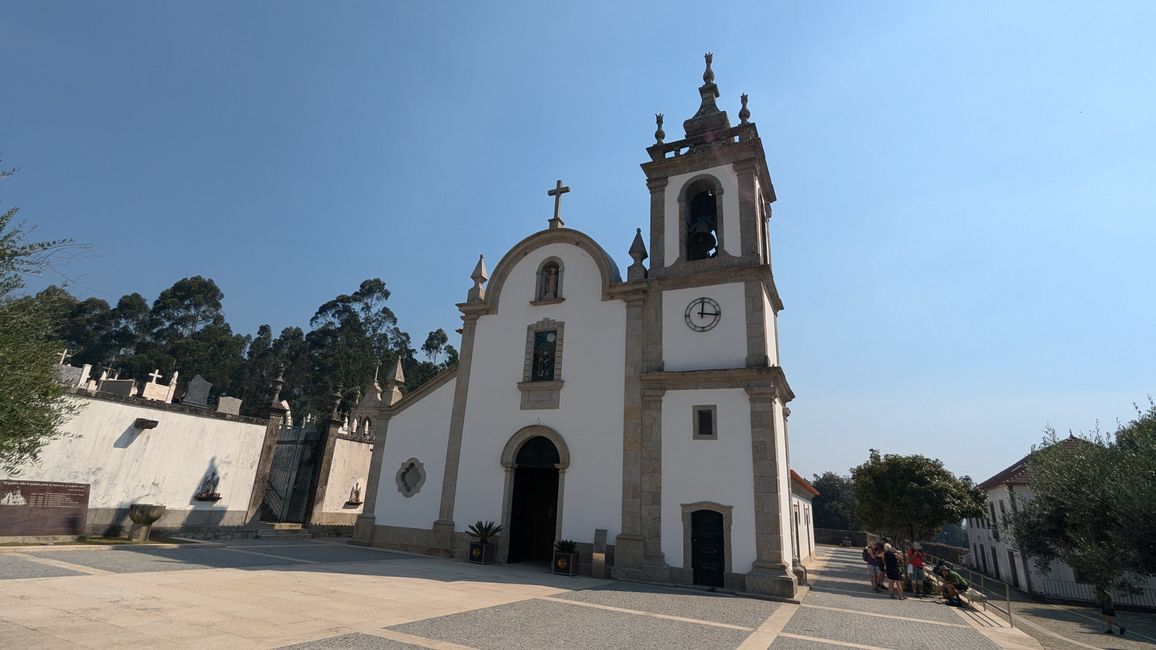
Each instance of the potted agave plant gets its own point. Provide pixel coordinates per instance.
(482, 551)
(565, 558)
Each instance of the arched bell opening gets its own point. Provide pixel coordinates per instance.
(700, 204)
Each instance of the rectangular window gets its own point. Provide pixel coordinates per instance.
(542, 363)
(706, 422)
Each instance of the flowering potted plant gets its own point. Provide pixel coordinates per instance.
(482, 551)
(565, 558)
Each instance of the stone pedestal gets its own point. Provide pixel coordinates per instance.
(628, 551)
(143, 516)
(442, 539)
(772, 581)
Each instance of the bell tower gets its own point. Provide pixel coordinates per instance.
(707, 441)
(710, 211)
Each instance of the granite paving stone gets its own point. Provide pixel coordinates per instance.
(329, 553)
(718, 608)
(174, 559)
(535, 624)
(787, 643)
(887, 633)
(927, 609)
(12, 567)
(353, 642)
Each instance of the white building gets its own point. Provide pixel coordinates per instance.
(652, 406)
(993, 552)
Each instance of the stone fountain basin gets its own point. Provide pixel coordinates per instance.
(145, 513)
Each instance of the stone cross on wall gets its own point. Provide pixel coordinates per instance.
(557, 192)
(155, 376)
(65, 355)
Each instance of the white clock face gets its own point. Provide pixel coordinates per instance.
(702, 314)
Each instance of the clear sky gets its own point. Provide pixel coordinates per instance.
(964, 232)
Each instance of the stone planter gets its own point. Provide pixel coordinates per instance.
(143, 516)
(565, 564)
(482, 552)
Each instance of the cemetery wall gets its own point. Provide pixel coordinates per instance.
(349, 467)
(166, 465)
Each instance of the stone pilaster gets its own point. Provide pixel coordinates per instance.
(443, 529)
(654, 565)
(756, 324)
(748, 215)
(363, 528)
(771, 573)
(658, 250)
(628, 546)
(264, 465)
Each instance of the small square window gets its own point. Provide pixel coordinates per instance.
(706, 422)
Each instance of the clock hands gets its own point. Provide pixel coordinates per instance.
(702, 313)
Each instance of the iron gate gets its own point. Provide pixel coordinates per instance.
(292, 474)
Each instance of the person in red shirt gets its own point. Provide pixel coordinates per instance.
(915, 559)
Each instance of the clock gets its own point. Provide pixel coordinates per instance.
(702, 314)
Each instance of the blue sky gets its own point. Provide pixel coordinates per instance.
(963, 237)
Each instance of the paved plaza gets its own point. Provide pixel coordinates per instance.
(315, 594)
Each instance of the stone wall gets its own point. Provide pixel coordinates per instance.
(137, 451)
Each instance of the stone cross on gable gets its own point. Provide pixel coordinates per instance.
(155, 376)
(65, 355)
(557, 192)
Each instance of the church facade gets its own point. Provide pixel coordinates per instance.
(651, 406)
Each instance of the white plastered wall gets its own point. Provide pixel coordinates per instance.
(732, 239)
(421, 431)
(350, 465)
(165, 465)
(589, 417)
(772, 330)
(719, 470)
(804, 527)
(724, 346)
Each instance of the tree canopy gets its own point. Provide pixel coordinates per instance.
(185, 329)
(1092, 503)
(835, 505)
(33, 405)
(911, 497)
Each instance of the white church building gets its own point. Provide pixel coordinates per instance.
(651, 406)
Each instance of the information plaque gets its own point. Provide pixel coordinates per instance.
(32, 508)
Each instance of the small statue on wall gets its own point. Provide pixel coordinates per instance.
(355, 495)
(209, 489)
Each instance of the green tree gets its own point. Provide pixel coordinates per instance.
(1093, 503)
(835, 505)
(434, 344)
(911, 497)
(33, 405)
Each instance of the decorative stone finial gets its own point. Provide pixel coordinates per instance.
(659, 135)
(638, 253)
(744, 112)
(708, 118)
(278, 384)
(394, 383)
(479, 276)
(638, 247)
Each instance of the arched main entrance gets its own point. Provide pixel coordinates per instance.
(534, 501)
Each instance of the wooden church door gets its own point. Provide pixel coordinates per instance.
(707, 548)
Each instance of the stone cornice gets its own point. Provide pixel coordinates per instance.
(716, 276)
(606, 266)
(771, 378)
(421, 391)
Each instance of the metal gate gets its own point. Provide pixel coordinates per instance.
(291, 488)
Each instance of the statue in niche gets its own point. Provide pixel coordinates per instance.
(549, 290)
(355, 494)
(209, 489)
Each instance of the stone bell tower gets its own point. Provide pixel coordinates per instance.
(711, 393)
